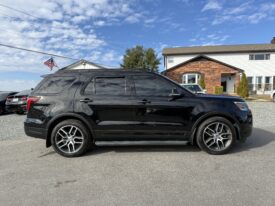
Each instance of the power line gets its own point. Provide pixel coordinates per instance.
(45, 53)
(20, 11)
(34, 51)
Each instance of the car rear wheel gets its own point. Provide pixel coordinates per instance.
(70, 138)
(216, 136)
(273, 97)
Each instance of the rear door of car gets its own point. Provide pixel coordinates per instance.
(108, 102)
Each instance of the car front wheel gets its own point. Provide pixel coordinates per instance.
(216, 136)
(70, 138)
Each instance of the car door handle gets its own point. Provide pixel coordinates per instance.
(144, 101)
(86, 100)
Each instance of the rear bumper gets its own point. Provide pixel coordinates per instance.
(36, 132)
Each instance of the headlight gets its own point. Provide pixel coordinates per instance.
(242, 106)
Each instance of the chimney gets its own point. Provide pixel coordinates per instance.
(273, 40)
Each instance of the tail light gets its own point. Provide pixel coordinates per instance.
(30, 101)
(24, 98)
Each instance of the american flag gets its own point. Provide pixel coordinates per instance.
(50, 63)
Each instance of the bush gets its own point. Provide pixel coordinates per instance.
(242, 89)
(202, 83)
(218, 89)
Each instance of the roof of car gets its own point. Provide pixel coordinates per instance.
(107, 71)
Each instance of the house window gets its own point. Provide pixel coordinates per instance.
(267, 86)
(250, 83)
(259, 57)
(259, 83)
(190, 78)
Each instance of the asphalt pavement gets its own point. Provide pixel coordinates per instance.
(31, 174)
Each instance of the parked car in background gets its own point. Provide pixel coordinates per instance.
(72, 110)
(3, 97)
(17, 103)
(195, 88)
(273, 95)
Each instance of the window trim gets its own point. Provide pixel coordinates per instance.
(198, 76)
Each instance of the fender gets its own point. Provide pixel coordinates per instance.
(64, 116)
(213, 114)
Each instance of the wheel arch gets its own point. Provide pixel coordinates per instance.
(210, 115)
(64, 117)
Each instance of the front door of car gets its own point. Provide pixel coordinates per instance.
(107, 100)
(160, 116)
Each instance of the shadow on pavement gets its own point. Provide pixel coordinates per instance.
(259, 138)
(144, 148)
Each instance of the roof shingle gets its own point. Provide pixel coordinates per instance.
(220, 49)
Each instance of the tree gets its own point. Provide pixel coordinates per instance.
(139, 58)
(201, 82)
(243, 87)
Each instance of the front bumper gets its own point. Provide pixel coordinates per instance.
(245, 126)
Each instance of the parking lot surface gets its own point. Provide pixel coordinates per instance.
(31, 174)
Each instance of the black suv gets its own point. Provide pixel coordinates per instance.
(75, 109)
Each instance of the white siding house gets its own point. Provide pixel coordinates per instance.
(257, 61)
(82, 64)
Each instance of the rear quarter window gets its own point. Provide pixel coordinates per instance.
(55, 85)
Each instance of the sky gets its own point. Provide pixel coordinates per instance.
(101, 30)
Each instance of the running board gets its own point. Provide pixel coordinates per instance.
(139, 143)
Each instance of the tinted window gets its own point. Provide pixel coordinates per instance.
(109, 86)
(151, 86)
(55, 85)
(194, 88)
(90, 88)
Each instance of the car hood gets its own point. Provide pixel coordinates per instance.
(220, 97)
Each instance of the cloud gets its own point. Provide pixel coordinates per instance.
(17, 84)
(216, 38)
(212, 5)
(247, 12)
(63, 27)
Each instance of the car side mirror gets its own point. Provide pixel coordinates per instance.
(174, 95)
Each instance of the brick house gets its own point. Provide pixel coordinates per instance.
(215, 73)
(223, 65)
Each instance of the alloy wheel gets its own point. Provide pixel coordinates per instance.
(217, 136)
(69, 139)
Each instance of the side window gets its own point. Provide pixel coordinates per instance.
(108, 86)
(55, 85)
(151, 86)
(90, 88)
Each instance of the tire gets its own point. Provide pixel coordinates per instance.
(20, 112)
(70, 138)
(1, 110)
(273, 98)
(216, 140)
